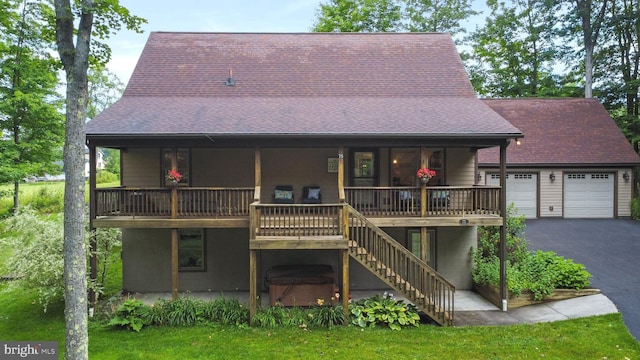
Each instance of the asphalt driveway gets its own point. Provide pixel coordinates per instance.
(608, 248)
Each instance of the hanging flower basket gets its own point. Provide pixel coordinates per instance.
(425, 174)
(173, 177)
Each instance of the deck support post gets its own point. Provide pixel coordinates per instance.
(174, 231)
(93, 244)
(344, 255)
(503, 228)
(253, 285)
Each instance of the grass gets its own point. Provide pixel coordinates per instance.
(590, 338)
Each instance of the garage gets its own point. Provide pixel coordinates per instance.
(588, 195)
(522, 191)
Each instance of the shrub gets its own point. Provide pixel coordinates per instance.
(227, 311)
(271, 317)
(383, 310)
(130, 315)
(635, 208)
(40, 262)
(104, 176)
(326, 315)
(48, 200)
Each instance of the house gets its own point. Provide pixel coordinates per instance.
(573, 162)
(100, 164)
(299, 149)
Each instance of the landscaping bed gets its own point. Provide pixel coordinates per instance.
(526, 297)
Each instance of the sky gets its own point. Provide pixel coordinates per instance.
(206, 16)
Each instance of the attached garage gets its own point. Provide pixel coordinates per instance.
(522, 191)
(588, 195)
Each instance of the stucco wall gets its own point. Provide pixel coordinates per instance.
(453, 251)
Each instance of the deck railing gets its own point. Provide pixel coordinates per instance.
(370, 201)
(440, 200)
(191, 202)
(296, 220)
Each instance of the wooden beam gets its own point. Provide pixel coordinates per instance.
(344, 254)
(341, 195)
(174, 263)
(253, 285)
(503, 228)
(93, 260)
(298, 243)
(258, 174)
(142, 223)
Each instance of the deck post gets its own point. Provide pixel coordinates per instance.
(344, 254)
(93, 245)
(174, 263)
(174, 231)
(503, 228)
(341, 194)
(253, 285)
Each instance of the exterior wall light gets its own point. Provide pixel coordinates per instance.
(626, 176)
(552, 176)
(479, 176)
(518, 141)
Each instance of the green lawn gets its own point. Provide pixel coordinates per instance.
(597, 337)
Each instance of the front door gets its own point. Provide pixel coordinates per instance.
(364, 169)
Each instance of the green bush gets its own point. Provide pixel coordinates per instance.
(48, 201)
(635, 208)
(130, 315)
(383, 310)
(539, 272)
(104, 176)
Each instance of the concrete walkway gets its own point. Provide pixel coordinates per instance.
(473, 310)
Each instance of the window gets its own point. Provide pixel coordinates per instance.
(191, 250)
(183, 164)
(415, 245)
(364, 169)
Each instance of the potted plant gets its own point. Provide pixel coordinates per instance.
(425, 174)
(173, 177)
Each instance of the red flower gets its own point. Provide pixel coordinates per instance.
(174, 175)
(426, 173)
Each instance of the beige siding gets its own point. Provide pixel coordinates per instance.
(550, 192)
(141, 168)
(460, 167)
(223, 167)
(625, 192)
(298, 167)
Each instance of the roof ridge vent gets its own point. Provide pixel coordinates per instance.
(230, 80)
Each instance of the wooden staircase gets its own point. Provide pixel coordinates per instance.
(399, 268)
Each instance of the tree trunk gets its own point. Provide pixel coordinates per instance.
(75, 60)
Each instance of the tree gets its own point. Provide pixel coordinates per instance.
(97, 18)
(437, 15)
(358, 16)
(30, 116)
(104, 89)
(590, 25)
(515, 53)
(618, 66)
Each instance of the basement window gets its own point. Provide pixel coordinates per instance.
(191, 250)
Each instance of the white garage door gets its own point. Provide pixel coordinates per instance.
(521, 191)
(588, 195)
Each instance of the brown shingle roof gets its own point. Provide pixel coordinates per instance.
(303, 84)
(561, 132)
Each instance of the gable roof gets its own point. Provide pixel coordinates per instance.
(311, 84)
(567, 132)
